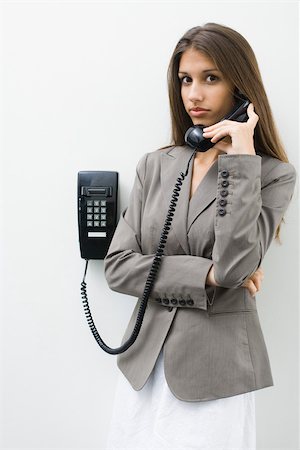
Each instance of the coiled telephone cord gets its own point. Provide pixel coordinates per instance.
(149, 282)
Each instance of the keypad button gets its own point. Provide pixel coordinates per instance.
(96, 202)
(96, 223)
(89, 223)
(96, 210)
(89, 210)
(103, 210)
(89, 202)
(96, 216)
(103, 202)
(103, 223)
(103, 216)
(89, 216)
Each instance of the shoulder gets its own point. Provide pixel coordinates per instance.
(151, 160)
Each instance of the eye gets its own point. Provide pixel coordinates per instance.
(209, 75)
(214, 76)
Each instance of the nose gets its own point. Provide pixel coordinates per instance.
(196, 93)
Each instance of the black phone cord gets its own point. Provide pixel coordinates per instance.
(150, 279)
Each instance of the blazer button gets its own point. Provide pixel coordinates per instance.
(222, 202)
(224, 193)
(224, 173)
(174, 301)
(182, 302)
(225, 183)
(222, 212)
(158, 299)
(170, 308)
(166, 301)
(190, 301)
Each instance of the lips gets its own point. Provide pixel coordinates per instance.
(199, 109)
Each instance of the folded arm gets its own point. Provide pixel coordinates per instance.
(242, 234)
(245, 226)
(126, 268)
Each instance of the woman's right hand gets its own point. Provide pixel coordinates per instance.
(253, 283)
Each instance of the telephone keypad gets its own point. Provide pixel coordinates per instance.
(93, 210)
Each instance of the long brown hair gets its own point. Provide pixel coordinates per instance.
(234, 57)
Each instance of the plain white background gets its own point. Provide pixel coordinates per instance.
(85, 88)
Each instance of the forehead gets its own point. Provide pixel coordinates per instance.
(191, 58)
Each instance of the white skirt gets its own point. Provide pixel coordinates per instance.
(153, 418)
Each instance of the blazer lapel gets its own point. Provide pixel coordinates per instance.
(204, 195)
(187, 211)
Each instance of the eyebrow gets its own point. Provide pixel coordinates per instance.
(207, 70)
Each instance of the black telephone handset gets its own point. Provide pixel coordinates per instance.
(194, 135)
(97, 194)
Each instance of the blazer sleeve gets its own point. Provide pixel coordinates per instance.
(245, 226)
(126, 268)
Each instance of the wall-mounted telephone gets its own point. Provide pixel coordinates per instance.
(99, 190)
(97, 212)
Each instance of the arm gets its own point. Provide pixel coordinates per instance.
(252, 213)
(126, 268)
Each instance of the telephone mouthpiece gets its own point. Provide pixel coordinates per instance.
(194, 138)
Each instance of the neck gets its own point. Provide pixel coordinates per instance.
(207, 158)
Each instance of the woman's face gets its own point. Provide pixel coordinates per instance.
(204, 88)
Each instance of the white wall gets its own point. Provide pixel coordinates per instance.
(85, 89)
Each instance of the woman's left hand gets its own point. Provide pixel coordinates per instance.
(241, 134)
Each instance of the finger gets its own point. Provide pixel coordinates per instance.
(217, 125)
(258, 274)
(221, 134)
(251, 287)
(253, 117)
(218, 129)
(257, 283)
(257, 279)
(261, 271)
(261, 275)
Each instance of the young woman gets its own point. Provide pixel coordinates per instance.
(189, 379)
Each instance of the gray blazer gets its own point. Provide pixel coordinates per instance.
(213, 345)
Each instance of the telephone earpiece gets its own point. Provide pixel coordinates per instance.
(194, 135)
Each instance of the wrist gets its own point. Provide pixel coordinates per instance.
(250, 151)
